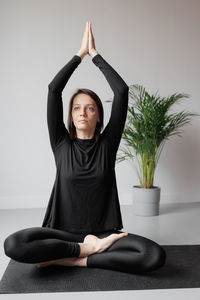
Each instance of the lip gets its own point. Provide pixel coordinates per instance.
(82, 121)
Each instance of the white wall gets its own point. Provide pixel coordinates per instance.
(153, 42)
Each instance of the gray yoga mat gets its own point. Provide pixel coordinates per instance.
(182, 270)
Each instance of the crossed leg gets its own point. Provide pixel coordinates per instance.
(91, 245)
(131, 254)
(45, 246)
(39, 244)
(52, 246)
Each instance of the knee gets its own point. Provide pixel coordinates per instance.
(161, 257)
(155, 258)
(9, 245)
(12, 247)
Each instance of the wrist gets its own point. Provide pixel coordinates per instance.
(94, 53)
(81, 54)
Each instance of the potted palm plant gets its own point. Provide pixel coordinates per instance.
(147, 127)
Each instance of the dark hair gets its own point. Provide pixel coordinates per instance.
(95, 97)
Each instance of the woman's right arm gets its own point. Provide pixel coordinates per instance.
(56, 126)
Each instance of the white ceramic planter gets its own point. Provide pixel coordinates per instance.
(146, 202)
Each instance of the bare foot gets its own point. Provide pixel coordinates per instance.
(69, 262)
(91, 244)
(101, 245)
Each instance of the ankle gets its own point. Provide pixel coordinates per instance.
(87, 249)
(81, 262)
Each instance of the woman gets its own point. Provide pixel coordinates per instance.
(82, 223)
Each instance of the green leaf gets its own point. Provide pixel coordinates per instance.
(148, 125)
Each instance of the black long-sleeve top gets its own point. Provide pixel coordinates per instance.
(84, 197)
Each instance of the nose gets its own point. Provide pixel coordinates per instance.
(83, 112)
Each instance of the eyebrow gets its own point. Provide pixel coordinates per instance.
(86, 104)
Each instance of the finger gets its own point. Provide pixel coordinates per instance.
(90, 27)
(86, 27)
(90, 32)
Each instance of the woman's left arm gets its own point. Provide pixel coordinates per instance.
(120, 89)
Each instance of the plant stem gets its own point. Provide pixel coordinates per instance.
(145, 164)
(151, 171)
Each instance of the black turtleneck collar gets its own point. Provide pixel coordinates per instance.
(88, 141)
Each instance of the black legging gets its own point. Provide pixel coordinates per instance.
(131, 254)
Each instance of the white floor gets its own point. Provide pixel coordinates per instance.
(178, 223)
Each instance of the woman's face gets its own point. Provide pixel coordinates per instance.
(85, 113)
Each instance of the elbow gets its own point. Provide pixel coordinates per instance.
(124, 90)
(52, 88)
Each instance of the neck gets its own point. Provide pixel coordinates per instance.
(84, 135)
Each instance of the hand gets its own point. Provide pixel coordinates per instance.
(91, 45)
(84, 45)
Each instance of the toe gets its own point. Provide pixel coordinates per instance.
(123, 234)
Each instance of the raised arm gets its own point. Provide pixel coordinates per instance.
(56, 126)
(120, 89)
